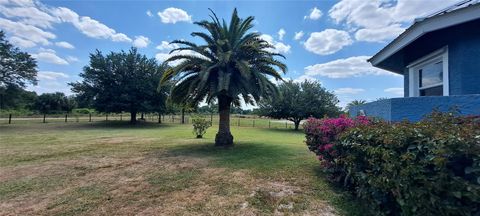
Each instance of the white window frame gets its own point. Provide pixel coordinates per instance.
(413, 78)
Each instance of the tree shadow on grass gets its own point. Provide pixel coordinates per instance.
(283, 130)
(113, 124)
(244, 155)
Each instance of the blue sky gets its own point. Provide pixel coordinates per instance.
(326, 40)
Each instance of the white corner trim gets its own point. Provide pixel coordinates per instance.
(446, 76)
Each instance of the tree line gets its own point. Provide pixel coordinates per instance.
(234, 64)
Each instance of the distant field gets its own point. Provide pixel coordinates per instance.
(112, 168)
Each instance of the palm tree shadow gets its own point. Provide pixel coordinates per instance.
(243, 155)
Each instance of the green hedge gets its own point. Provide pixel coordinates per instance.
(427, 168)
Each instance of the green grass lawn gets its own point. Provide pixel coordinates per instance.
(114, 168)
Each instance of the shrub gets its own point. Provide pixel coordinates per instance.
(425, 168)
(83, 111)
(322, 136)
(200, 126)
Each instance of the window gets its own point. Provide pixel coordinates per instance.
(430, 78)
(429, 75)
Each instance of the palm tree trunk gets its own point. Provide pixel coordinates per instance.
(224, 137)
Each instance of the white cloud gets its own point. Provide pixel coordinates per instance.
(23, 3)
(345, 68)
(174, 15)
(72, 59)
(26, 32)
(395, 91)
(328, 41)
(379, 34)
(298, 35)
(161, 57)
(281, 33)
(88, 26)
(141, 41)
(149, 13)
(50, 75)
(343, 91)
(95, 29)
(20, 42)
(29, 15)
(49, 56)
(165, 45)
(65, 45)
(374, 15)
(279, 47)
(315, 14)
(27, 19)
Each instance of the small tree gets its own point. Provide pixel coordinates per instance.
(54, 103)
(298, 101)
(200, 126)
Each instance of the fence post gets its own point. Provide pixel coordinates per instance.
(238, 122)
(253, 122)
(106, 117)
(159, 118)
(10, 119)
(66, 116)
(89, 117)
(120, 116)
(286, 124)
(268, 123)
(44, 115)
(211, 118)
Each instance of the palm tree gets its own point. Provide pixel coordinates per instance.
(233, 64)
(354, 103)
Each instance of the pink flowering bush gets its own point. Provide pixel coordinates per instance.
(430, 167)
(322, 136)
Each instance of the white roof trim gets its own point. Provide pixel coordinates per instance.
(428, 25)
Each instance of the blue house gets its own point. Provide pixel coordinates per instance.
(439, 58)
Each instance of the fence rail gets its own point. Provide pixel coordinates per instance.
(235, 120)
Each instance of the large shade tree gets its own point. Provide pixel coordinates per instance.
(122, 82)
(17, 69)
(298, 101)
(232, 64)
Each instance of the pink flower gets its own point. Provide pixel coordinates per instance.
(327, 147)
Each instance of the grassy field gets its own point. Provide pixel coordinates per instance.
(150, 169)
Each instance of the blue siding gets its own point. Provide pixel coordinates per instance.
(465, 62)
(415, 108)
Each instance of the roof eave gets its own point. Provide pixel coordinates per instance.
(421, 28)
